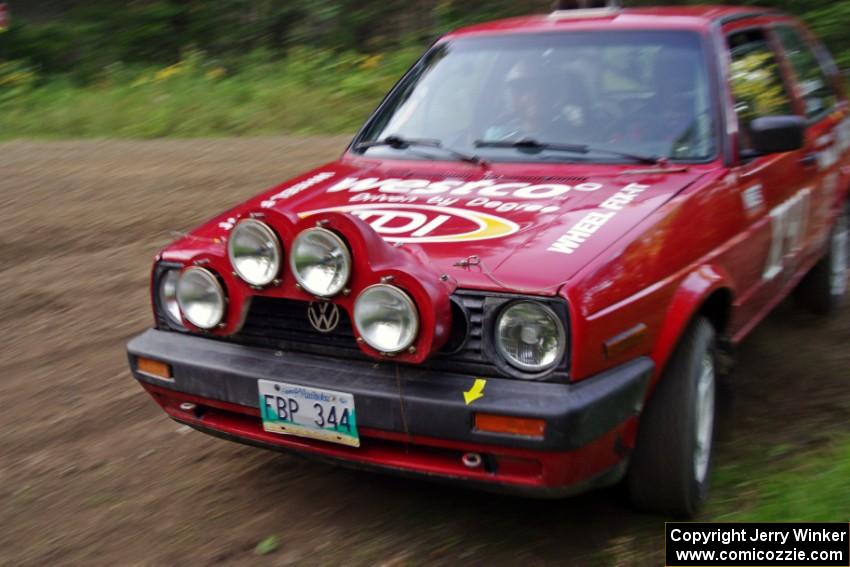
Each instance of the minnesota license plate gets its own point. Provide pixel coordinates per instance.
(308, 412)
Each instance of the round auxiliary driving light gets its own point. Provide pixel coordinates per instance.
(200, 297)
(530, 336)
(386, 318)
(168, 297)
(254, 252)
(320, 261)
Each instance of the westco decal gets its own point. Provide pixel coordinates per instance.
(455, 187)
(423, 223)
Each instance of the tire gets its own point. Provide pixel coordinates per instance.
(670, 467)
(824, 290)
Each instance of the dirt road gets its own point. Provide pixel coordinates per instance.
(92, 472)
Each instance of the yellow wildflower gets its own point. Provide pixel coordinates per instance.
(371, 62)
(216, 73)
(168, 72)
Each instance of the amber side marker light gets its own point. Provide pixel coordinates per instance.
(154, 368)
(508, 425)
(626, 341)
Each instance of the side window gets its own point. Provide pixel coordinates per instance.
(815, 87)
(756, 81)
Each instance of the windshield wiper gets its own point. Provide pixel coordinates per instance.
(535, 145)
(399, 143)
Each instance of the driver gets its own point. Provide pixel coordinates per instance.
(534, 112)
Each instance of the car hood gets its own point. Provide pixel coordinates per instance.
(505, 228)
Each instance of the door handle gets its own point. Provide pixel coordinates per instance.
(809, 160)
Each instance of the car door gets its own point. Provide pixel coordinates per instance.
(814, 86)
(774, 198)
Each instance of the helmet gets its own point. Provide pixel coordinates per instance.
(525, 72)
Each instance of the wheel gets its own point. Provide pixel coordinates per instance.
(824, 290)
(670, 466)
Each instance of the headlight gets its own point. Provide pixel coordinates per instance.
(168, 297)
(254, 252)
(530, 336)
(320, 261)
(200, 297)
(386, 318)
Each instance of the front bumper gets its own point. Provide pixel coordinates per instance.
(411, 421)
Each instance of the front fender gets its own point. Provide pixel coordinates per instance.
(691, 295)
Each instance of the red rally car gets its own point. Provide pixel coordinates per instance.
(532, 263)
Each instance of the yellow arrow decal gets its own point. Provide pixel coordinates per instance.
(477, 391)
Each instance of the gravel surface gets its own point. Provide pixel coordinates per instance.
(92, 472)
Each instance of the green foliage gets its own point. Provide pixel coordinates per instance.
(829, 22)
(756, 83)
(84, 36)
(451, 14)
(809, 487)
(16, 80)
(145, 68)
(311, 91)
(80, 39)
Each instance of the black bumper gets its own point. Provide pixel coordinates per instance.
(433, 402)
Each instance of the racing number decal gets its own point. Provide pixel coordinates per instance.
(788, 224)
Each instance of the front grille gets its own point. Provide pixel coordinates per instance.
(283, 324)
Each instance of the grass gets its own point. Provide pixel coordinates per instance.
(764, 484)
(813, 486)
(310, 92)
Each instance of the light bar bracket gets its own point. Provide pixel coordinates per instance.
(584, 8)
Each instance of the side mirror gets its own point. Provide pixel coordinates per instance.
(777, 134)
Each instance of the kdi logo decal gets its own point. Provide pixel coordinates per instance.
(424, 223)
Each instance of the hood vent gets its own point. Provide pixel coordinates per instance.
(542, 179)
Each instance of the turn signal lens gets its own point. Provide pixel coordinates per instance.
(154, 368)
(509, 425)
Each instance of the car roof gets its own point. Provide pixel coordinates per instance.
(666, 17)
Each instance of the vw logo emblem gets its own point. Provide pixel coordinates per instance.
(324, 316)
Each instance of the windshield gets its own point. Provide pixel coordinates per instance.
(636, 92)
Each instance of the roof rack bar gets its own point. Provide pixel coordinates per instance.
(563, 5)
(565, 9)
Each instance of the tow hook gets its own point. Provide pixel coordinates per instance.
(472, 460)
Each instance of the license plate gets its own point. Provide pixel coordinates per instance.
(308, 412)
